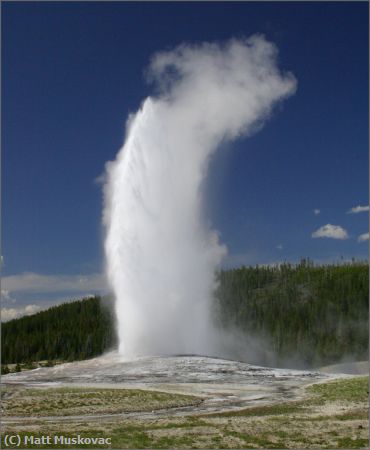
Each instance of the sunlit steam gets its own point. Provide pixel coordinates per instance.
(161, 255)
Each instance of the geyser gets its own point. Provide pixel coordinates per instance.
(161, 254)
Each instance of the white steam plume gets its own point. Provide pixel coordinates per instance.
(161, 256)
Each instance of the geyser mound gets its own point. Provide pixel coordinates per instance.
(222, 384)
(161, 255)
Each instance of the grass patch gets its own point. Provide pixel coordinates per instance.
(352, 443)
(189, 422)
(261, 441)
(352, 390)
(137, 437)
(78, 401)
(271, 410)
(356, 414)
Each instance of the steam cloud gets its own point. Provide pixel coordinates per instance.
(161, 255)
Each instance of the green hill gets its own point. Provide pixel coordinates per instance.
(75, 330)
(311, 315)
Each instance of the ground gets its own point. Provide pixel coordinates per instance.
(332, 414)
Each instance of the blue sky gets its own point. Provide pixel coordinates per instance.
(71, 73)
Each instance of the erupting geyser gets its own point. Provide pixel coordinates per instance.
(161, 255)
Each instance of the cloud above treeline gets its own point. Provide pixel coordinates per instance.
(6, 297)
(37, 283)
(13, 313)
(358, 209)
(316, 211)
(330, 231)
(29, 292)
(363, 237)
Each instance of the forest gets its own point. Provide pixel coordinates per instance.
(70, 331)
(307, 314)
(314, 314)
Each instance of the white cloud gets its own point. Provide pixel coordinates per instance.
(14, 313)
(330, 231)
(358, 209)
(279, 247)
(316, 211)
(37, 283)
(363, 237)
(6, 297)
(35, 291)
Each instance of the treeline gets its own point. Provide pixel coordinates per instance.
(71, 331)
(312, 314)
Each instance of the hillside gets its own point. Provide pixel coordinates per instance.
(310, 315)
(71, 331)
(306, 314)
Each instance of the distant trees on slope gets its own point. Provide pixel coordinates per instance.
(314, 314)
(71, 331)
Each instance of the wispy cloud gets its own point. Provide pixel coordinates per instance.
(330, 231)
(358, 209)
(316, 212)
(6, 297)
(37, 283)
(27, 293)
(279, 246)
(14, 313)
(363, 237)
